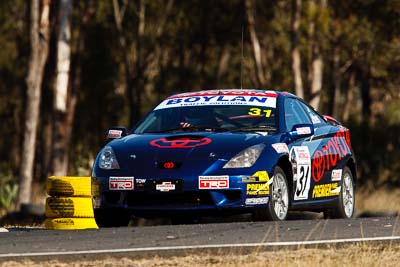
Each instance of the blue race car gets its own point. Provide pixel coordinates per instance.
(225, 151)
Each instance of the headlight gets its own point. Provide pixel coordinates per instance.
(245, 158)
(107, 160)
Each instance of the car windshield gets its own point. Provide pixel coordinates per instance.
(209, 118)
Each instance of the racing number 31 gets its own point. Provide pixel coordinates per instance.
(259, 111)
(303, 179)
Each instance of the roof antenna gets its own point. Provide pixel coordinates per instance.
(241, 64)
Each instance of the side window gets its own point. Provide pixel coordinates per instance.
(294, 113)
(316, 118)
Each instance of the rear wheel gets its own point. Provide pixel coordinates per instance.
(111, 217)
(279, 199)
(345, 205)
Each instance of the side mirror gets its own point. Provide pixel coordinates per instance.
(116, 132)
(301, 130)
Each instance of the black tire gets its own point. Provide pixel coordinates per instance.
(281, 195)
(347, 193)
(111, 217)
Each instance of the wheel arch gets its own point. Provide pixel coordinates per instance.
(286, 166)
(352, 166)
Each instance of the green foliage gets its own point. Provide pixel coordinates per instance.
(8, 192)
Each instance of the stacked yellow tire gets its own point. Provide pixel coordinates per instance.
(69, 205)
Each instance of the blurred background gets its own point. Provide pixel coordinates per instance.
(70, 69)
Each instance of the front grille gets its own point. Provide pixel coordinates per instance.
(188, 198)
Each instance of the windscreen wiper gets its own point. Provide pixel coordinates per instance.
(192, 128)
(255, 129)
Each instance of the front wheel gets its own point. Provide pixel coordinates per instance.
(278, 206)
(345, 205)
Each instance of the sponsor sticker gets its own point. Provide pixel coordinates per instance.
(326, 190)
(315, 119)
(140, 181)
(257, 201)
(336, 175)
(259, 189)
(120, 183)
(281, 148)
(249, 179)
(214, 182)
(262, 176)
(115, 134)
(225, 99)
(165, 187)
(303, 130)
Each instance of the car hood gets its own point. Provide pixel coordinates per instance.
(142, 154)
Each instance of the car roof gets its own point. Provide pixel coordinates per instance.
(273, 93)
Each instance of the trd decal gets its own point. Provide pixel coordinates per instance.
(180, 143)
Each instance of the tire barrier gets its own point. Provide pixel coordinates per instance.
(69, 205)
(67, 186)
(70, 223)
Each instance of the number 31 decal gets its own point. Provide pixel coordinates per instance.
(259, 112)
(302, 175)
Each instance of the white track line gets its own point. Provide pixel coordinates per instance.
(153, 249)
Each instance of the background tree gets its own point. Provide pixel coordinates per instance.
(62, 122)
(39, 37)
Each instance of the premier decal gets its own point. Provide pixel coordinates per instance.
(257, 201)
(336, 175)
(214, 182)
(180, 143)
(302, 171)
(121, 183)
(326, 190)
(281, 148)
(257, 189)
(326, 158)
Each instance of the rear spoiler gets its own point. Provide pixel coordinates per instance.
(331, 120)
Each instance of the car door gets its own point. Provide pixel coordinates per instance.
(330, 148)
(299, 155)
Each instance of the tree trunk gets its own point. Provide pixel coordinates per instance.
(39, 37)
(61, 122)
(257, 53)
(119, 12)
(349, 97)
(337, 96)
(296, 59)
(139, 84)
(364, 77)
(317, 63)
(223, 65)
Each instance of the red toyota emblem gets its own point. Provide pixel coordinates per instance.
(169, 165)
(180, 143)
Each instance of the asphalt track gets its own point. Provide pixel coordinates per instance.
(178, 239)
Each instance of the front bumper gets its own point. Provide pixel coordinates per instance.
(240, 195)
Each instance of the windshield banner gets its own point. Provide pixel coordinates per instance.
(242, 100)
